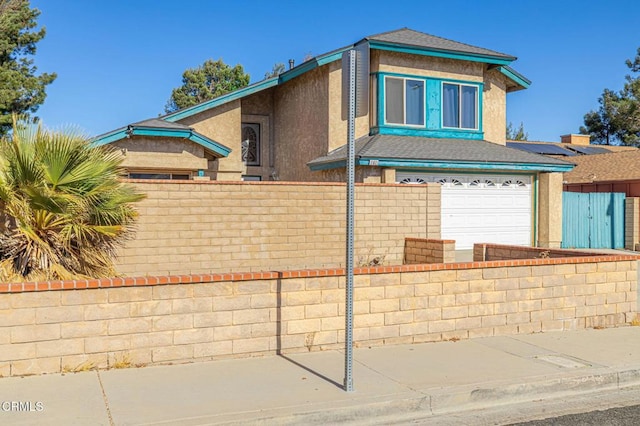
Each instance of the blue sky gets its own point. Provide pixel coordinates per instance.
(117, 61)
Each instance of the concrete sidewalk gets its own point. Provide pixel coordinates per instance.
(391, 383)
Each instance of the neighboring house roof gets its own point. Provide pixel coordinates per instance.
(155, 127)
(564, 149)
(410, 151)
(615, 166)
(402, 40)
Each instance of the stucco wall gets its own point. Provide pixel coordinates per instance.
(155, 320)
(194, 227)
(550, 210)
(222, 124)
(337, 126)
(140, 153)
(301, 124)
(494, 111)
(428, 66)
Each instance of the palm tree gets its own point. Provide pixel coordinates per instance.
(65, 211)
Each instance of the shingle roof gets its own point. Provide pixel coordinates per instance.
(418, 148)
(158, 123)
(409, 37)
(622, 165)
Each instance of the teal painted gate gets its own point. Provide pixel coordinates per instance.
(593, 220)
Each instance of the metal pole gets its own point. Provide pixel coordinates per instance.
(348, 353)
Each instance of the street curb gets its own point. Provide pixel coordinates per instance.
(424, 403)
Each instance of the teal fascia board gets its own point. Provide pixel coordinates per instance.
(207, 143)
(110, 137)
(487, 59)
(240, 93)
(434, 164)
(328, 166)
(465, 165)
(312, 64)
(259, 86)
(515, 76)
(210, 144)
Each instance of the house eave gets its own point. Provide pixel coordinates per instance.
(464, 56)
(443, 164)
(214, 147)
(521, 81)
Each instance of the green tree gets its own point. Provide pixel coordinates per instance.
(278, 68)
(601, 125)
(518, 134)
(617, 120)
(21, 90)
(65, 212)
(208, 81)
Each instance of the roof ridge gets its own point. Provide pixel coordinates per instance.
(388, 32)
(441, 38)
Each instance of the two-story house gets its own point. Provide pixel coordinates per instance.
(437, 114)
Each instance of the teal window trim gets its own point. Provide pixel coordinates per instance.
(428, 133)
(426, 77)
(414, 50)
(535, 209)
(433, 126)
(478, 117)
(404, 101)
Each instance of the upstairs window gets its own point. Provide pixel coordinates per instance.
(459, 106)
(251, 144)
(404, 101)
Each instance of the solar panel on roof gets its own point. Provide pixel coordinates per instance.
(589, 150)
(541, 148)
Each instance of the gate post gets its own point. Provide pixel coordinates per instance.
(631, 222)
(549, 210)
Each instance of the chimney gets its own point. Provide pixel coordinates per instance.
(576, 139)
(291, 63)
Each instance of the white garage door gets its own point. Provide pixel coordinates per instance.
(482, 208)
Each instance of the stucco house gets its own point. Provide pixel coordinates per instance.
(437, 114)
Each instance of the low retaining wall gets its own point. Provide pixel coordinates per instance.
(423, 250)
(488, 252)
(75, 325)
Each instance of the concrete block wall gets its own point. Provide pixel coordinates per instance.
(485, 252)
(424, 250)
(210, 227)
(58, 326)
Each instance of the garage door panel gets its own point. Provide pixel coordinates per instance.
(482, 208)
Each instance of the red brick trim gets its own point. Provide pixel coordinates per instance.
(430, 240)
(264, 182)
(273, 275)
